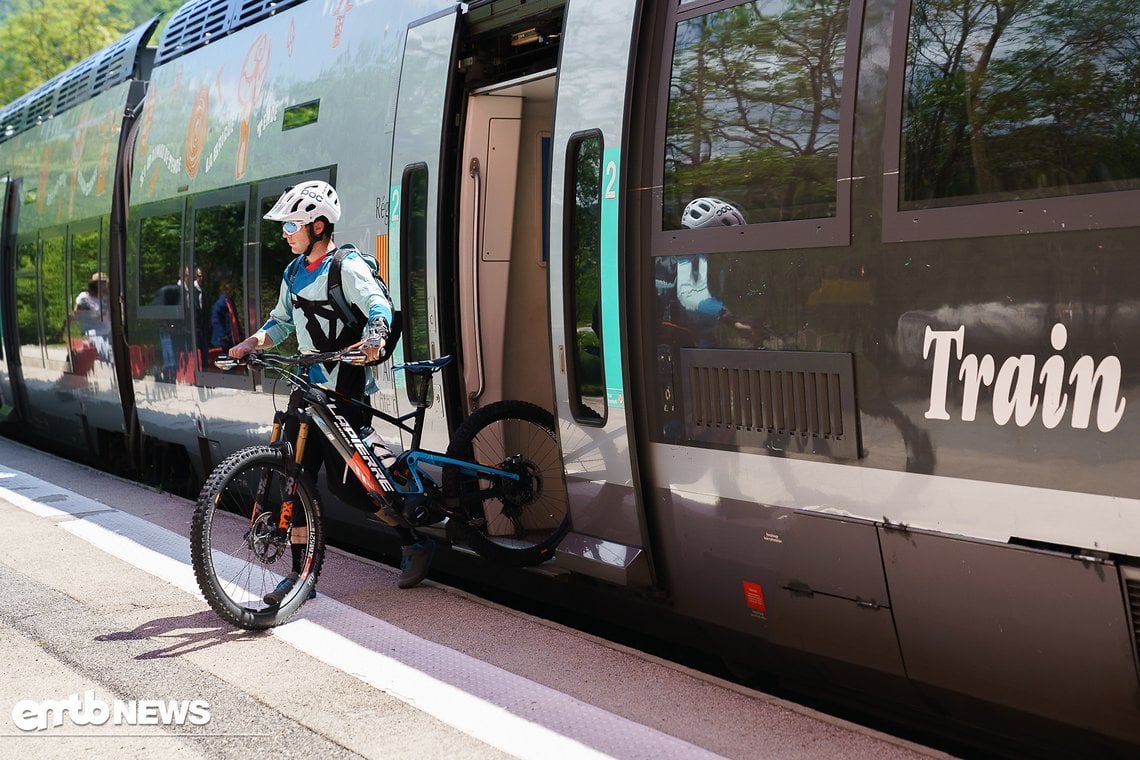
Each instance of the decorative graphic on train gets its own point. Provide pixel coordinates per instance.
(196, 131)
(339, 13)
(250, 83)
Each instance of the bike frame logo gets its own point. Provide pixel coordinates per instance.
(88, 710)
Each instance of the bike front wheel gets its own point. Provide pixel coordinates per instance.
(512, 521)
(241, 544)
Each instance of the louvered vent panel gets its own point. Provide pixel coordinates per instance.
(1132, 588)
(74, 87)
(774, 400)
(200, 22)
(246, 12)
(193, 25)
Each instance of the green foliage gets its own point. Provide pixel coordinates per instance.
(41, 38)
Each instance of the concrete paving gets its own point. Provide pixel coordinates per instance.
(97, 600)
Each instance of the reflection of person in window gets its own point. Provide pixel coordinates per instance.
(91, 324)
(225, 329)
(684, 280)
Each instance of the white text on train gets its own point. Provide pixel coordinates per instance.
(1016, 392)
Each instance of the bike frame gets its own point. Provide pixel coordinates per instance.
(310, 404)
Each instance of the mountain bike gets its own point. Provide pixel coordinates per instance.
(498, 488)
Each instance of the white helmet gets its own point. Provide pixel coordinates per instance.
(305, 202)
(710, 212)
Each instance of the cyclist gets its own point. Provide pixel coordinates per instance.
(308, 212)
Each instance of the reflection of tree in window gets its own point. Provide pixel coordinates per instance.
(53, 283)
(1021, 98)
(160, 250)
(27, 297)
(754, 109)
(588, 395)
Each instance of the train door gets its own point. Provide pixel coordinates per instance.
(611, 536)
(9, 365)
(413, 200)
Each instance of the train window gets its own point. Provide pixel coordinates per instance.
(53, 287)
(28, 301)
(275, 255)
(89, 320)
(159, 258)
(1019, 100)
(1011, 120)
(301, 114)
(218, 258)
(585, 371)
(414, 262)
(754, 111)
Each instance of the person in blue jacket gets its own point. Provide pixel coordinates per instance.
(307, 213)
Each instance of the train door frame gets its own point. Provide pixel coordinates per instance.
(12, 401)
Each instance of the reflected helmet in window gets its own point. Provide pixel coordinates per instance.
(711, 212)
(305, 203)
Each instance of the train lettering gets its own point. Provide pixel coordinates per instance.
(1016, 383)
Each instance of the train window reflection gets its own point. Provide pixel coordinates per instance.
(413, 230)
(28, 301)
(53, 284)
(754, 101)
(219, 306)
(160, 251)
(584, 276)
(1019, 100)
(275, 256)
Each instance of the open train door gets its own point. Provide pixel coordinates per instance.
(413, 261)
(610, 537)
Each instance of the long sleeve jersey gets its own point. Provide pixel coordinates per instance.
(303, 308)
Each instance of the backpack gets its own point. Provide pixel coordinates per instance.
(349, 313)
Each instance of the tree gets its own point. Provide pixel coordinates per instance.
(41, 38)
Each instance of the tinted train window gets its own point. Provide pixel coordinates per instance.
(1019, 100)
(28, 298)
(87, 295)
(53, 284)
(754, 107)
(160, 253)
(413, 230)
(218, 257)
(275, 256)
(584, 275)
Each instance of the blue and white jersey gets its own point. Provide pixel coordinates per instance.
(303, 308)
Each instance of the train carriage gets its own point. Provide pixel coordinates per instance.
(831, 299)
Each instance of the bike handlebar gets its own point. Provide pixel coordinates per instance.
(352, 355)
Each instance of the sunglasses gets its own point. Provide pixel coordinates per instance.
(291, 227)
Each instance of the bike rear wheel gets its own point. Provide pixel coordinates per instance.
(513, 522)
(238, 548)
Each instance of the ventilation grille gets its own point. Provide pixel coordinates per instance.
(774, 400)
(83, 81)
(200, 22)
(1132, 589)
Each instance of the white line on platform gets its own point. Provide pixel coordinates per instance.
(504, 710)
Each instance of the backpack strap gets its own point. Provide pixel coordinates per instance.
(349, 313)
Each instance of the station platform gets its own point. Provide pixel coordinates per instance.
(100, 618)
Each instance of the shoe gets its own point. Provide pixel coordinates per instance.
(274, 597)
(415, 562)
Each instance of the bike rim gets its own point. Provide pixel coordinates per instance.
(249, 551)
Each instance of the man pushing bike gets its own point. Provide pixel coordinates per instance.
(308, 212)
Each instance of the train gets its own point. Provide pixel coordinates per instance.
(831, 300)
